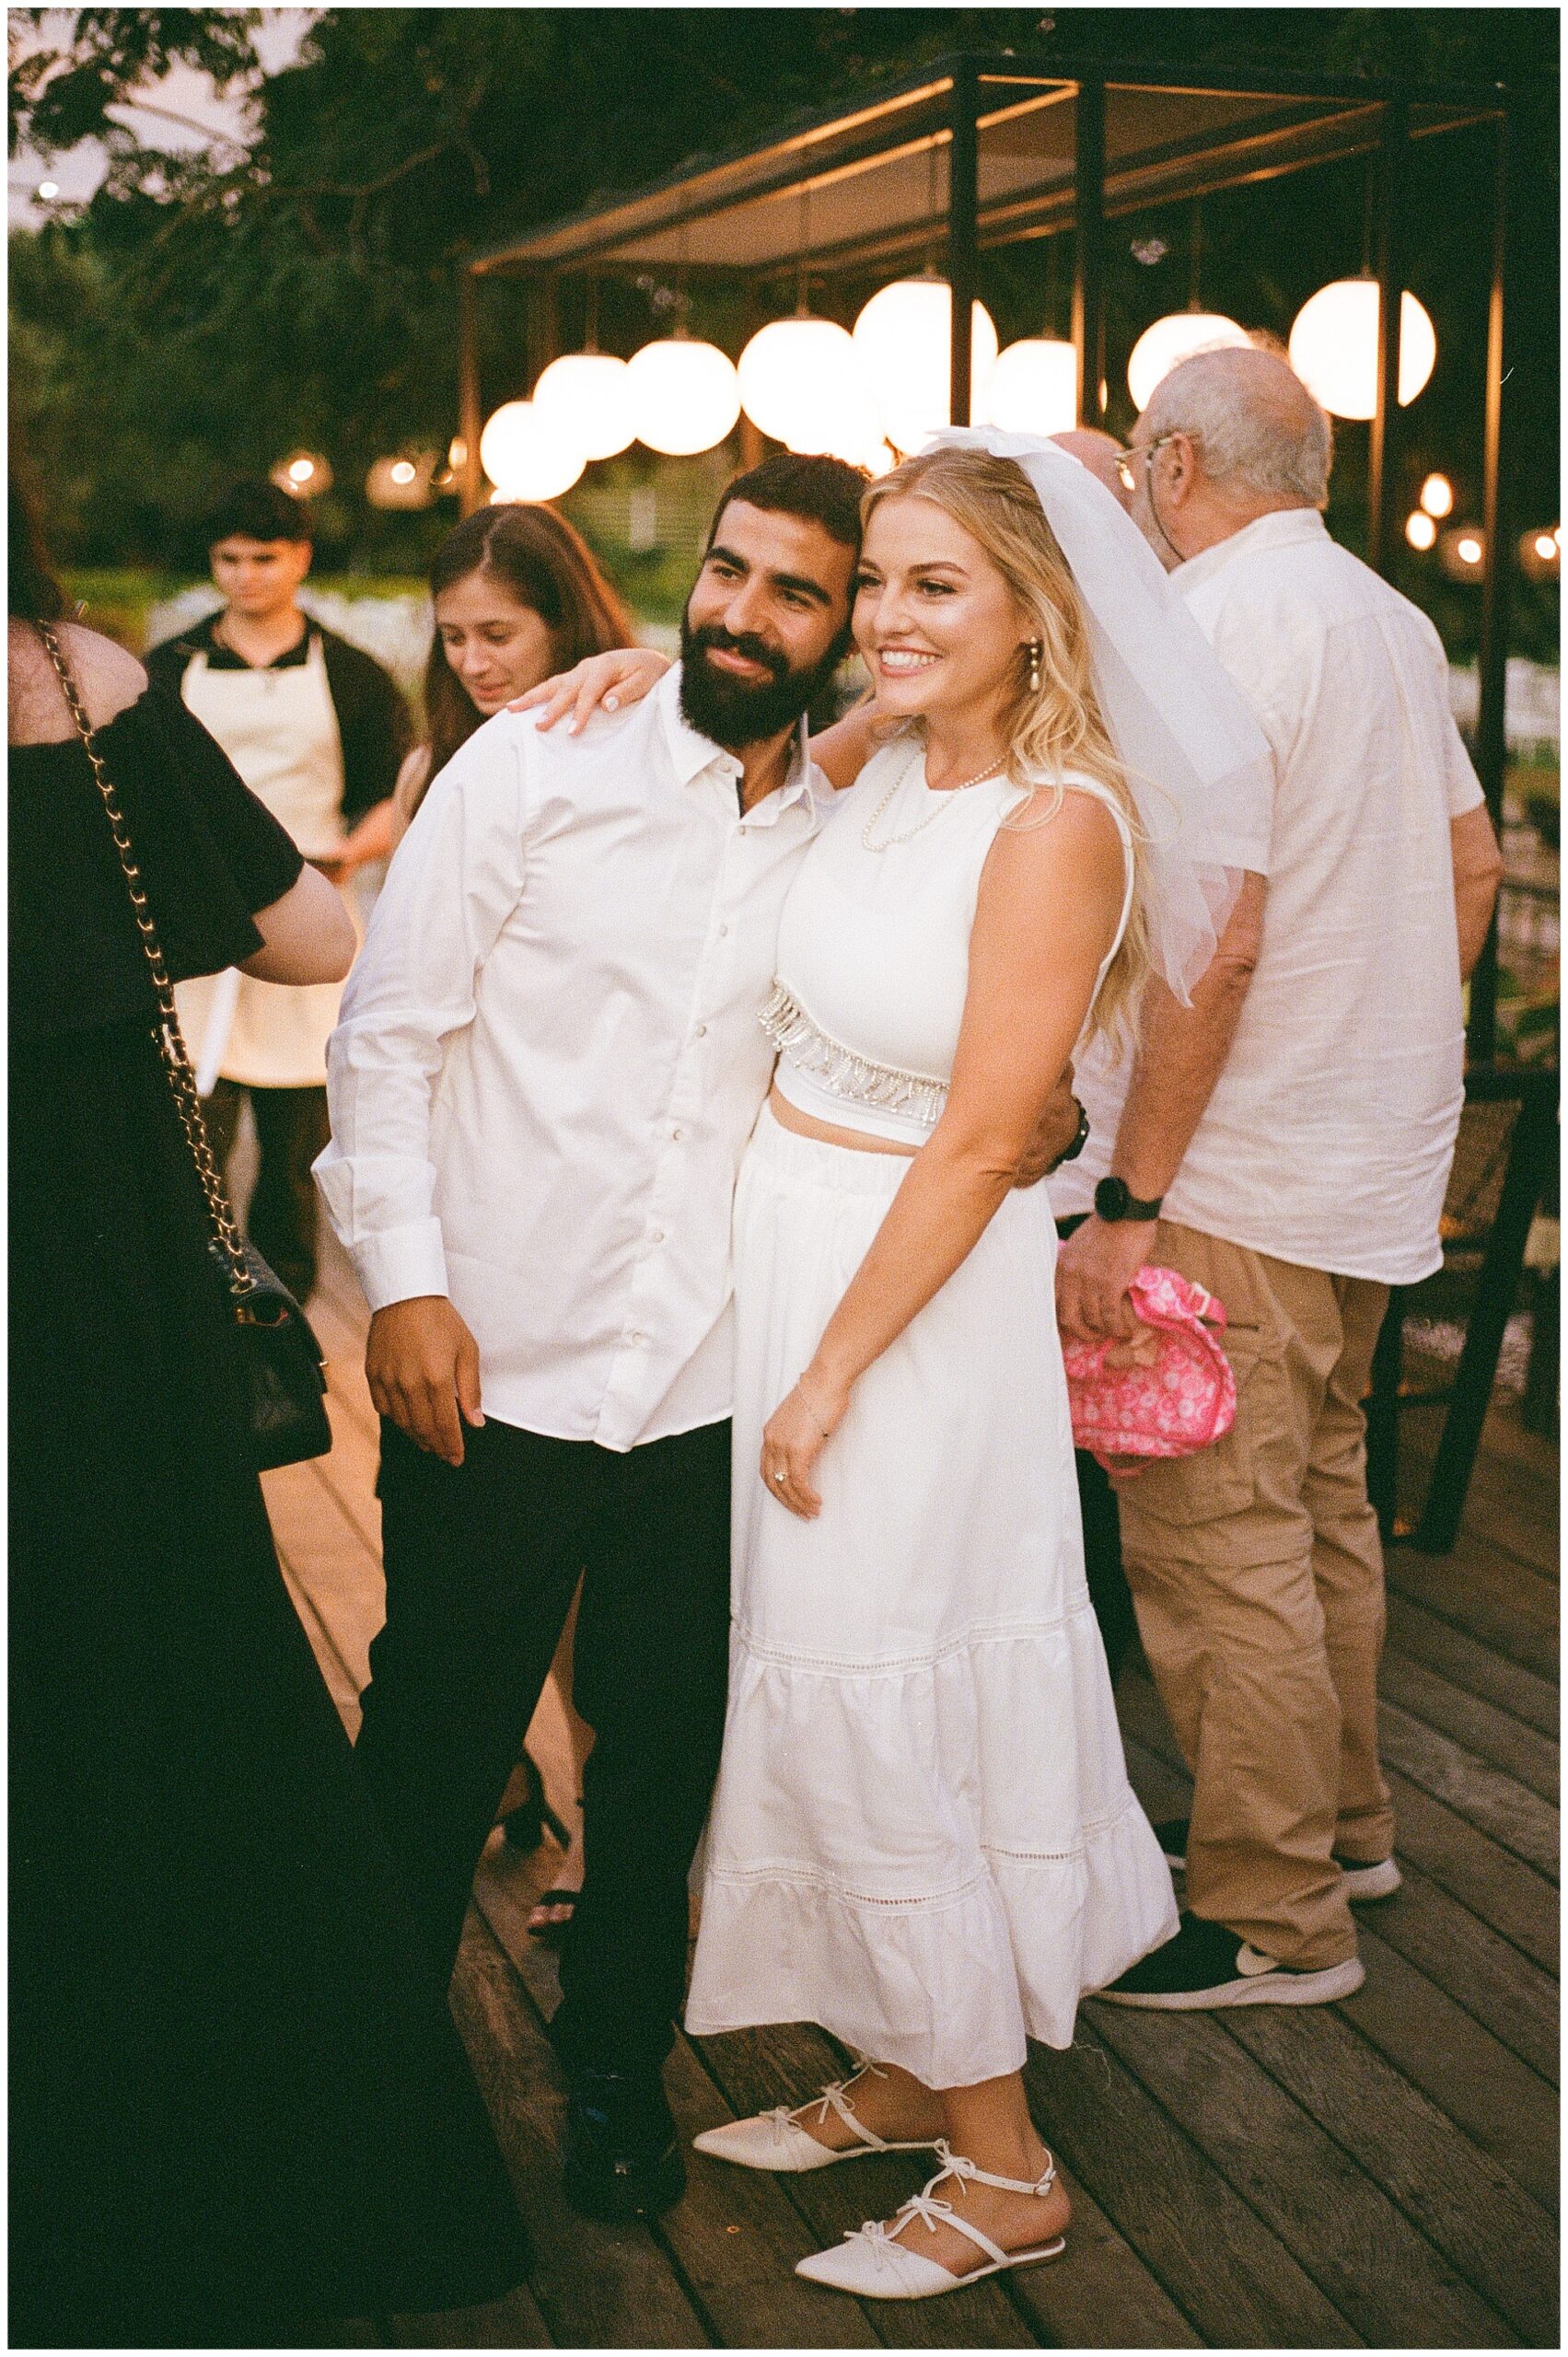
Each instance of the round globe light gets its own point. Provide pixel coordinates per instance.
(527, 456)
(685, 395)
(1032, 388)
(1172, 339)
(1420, 529)
(904, 337)
(1333, 347)
(801, 382)
(587, 395)
(403, 483)
(1540, 555)
(304, 474)
(1437, 496)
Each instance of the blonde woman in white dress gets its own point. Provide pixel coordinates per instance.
(924, 1837)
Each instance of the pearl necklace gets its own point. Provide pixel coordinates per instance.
(945, 794)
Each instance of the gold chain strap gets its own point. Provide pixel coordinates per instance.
(170, 1040)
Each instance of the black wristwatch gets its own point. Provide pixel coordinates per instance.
(1114, 1201)
(1080, 1140)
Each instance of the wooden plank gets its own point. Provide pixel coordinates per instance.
(1509, 1506)
(1419, 1635)
(823, 2205)
(1487, 1879)
(1505, 1996)
(753, 2069)
(1486, 1732)
(1469, 2074)
(1340, 2227)
(1496, 1986)
(1493, 1885)
(332, 1561)
(1468, 2207)
(1495, 1599)
(1237, 2284)
(1497, 1804)
(512, 2323)
(597, 2286)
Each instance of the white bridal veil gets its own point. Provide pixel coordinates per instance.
(1197, 762)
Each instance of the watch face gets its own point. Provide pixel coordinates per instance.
(1112, 1198)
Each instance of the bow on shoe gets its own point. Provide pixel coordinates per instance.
(834, 2098)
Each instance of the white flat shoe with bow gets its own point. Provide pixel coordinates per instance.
(775, 2140)
(875, 2262)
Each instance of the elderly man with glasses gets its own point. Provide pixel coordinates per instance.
(1285, 1143)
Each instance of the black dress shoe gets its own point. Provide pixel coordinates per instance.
(623, 2158)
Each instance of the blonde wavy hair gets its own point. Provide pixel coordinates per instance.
(1055, 731)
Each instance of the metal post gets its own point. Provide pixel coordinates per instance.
(1491, 735)
(545, 334)
(1382, 460)
(471, 412)
(1088, 266)
(963, 207)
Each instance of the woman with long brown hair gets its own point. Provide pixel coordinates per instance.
(517, 594)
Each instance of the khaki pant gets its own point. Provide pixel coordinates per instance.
(1257, 1571)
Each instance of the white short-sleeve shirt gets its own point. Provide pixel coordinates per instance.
(1330, 1135)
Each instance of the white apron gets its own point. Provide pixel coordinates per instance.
(280, 729)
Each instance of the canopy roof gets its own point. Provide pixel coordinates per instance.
(866, 184)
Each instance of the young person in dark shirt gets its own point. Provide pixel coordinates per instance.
(318, 730)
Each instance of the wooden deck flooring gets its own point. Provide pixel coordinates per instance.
(1380, 2172)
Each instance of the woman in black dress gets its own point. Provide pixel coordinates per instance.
(235, 2104)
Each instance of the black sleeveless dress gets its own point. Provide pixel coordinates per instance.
(235, 2104)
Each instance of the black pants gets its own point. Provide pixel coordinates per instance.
(1108, 1591)
(291, 1131)
(481, 1561)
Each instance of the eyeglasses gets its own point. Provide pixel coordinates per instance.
(1128, 459)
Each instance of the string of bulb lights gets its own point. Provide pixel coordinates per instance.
(873, 393)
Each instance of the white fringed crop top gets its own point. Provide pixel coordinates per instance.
(873, 956)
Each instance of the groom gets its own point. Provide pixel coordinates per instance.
(548, 1065)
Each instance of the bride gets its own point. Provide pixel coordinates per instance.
(924, 1837)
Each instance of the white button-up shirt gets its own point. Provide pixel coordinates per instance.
(1330, 1135)
(548, 1061)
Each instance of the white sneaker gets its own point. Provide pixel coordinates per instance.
(874, 2262)
(775, 2140)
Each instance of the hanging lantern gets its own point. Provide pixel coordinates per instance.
(1437, 496)
(685, 395)
(904, 339)
(304, 474)
(587, 395)
(801, 382)
(1032, 388)
(1173, 340)
(527, 456)
(1420, 529)
(1333, 347)
(403, 483)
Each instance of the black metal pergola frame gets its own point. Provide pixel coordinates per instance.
(1303, 121)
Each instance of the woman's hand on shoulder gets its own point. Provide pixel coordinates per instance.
(607, 682)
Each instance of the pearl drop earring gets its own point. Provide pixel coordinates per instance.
(1036, 652)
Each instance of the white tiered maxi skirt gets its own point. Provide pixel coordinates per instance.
(923, 1838)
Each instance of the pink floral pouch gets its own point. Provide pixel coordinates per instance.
(1181, 1401)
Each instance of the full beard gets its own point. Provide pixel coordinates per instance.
(739, 712)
